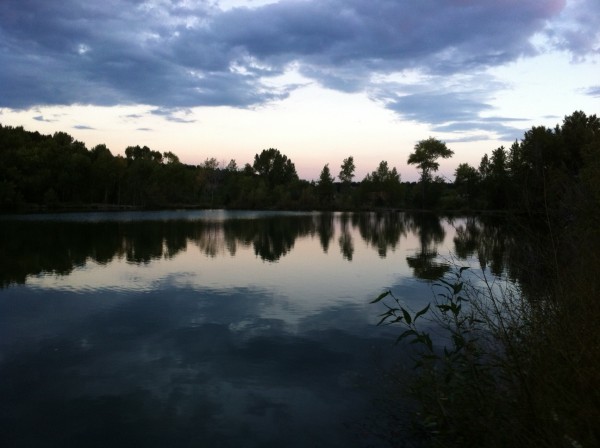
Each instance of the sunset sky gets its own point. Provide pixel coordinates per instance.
(320, 80)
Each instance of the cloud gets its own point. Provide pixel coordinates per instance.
(447, 105)
(593, 91)
(577, 29)
(174, 55)
(467, 139)
(501, 130)
(174, 115)
(42, 118)
(83, 127)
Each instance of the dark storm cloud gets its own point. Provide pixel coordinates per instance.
(176, 54)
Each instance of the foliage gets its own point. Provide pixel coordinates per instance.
(325, 187)
(545, 174)
(382, 187)
(509, 362)
(542, 172)
(425, 155)
(466, 179)
(274, 167)
(453, 385)
(347, 170)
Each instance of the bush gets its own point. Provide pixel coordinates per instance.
(501, 370)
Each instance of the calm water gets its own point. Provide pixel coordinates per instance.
(206, 328)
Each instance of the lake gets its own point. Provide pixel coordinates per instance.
(209, 328)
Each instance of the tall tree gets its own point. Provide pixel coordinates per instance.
(210, 175)
(383, 174)
(325, 186)
(382, 186)
(425, 157)
(466, 181)
(347, 170)
(274, 167)
(346, 175)
(102, 174)
(426, 154)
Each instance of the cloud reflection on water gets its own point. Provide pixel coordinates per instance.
(159, 333)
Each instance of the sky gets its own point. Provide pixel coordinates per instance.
(320, 80)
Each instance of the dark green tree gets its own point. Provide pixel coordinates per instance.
(103, 174)
(382, 186)
(346, 175)
(466, 181)
(495, 183)
(347, 171)
(426, 154)
(210, 178)
(325, 187)
(274, 167)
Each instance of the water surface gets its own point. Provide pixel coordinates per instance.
(206, 328)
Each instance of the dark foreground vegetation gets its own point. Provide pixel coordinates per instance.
(520, 365)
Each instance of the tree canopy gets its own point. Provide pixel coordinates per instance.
(274, 167)
(347, 170)
(552, 169)
(425, 155)
(325, 186)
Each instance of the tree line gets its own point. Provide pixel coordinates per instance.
(545, 170)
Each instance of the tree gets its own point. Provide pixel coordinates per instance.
(211, 177)
(466, 181)
(346, 175)
(232, 166)
(143, 153)
(325, 186)
(425, 158)
(382, 186)
(102, 174)
(484, 167)
(426, 154)
(383, 174)
(211, 164)
(170, 158)
(498, 184)
(274, 167)
(347, 170)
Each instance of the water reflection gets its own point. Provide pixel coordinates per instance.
(196, 329)
(325, 228)
(492, 241)
(345, 240)
(140, 374)
(33, 247)
(431, 233)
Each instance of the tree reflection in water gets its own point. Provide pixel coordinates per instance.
(431, 233)
(175, 354)
(345, 240)
(37, 246)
